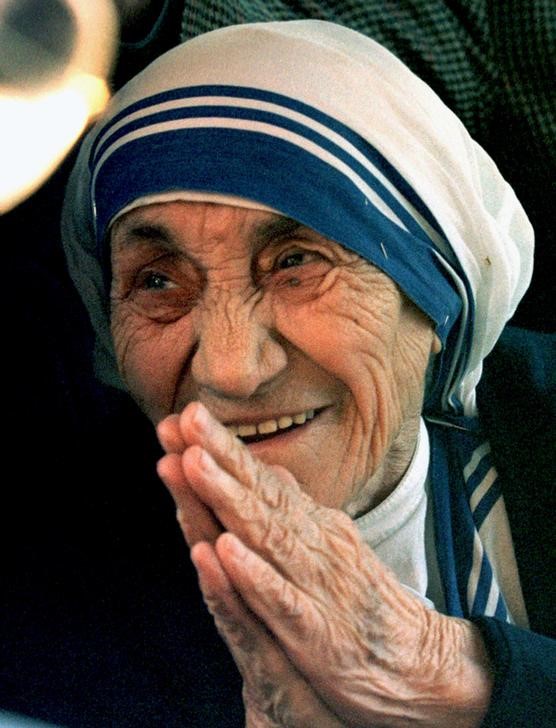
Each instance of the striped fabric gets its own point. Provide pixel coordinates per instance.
(360, 200)
(483, 491)
(466, 492)
(267, 113)
(327, 127)
(493, 63)
(251, 143)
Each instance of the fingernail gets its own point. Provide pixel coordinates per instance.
(162, 467)
(168, 434)
(206, 461)
(194, 557)
(234, 546)
(201, 417)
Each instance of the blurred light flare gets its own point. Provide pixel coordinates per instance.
(38, 129)
(37, 133)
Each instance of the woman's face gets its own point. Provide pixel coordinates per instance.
(310, 351)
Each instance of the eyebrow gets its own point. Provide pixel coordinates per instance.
(140, 231)
(278, 227)
(144, 232)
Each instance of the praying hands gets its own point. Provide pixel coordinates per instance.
(322, 633)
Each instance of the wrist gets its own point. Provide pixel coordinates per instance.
(460, 671)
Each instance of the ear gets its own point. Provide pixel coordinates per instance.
(436, 346)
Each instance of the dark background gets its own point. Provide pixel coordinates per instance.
(101, 622)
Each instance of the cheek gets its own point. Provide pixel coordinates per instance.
(412, 352)
(360, 336)
(349, 333)
(151, 358)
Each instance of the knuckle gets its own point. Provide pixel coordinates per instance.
(340, 532)
(278, 539)
(280, 703)
(243, 463)
(288, 601)
(337, 520)
(272, 701)
(285, 599)
(270, 491)
(277, 492)
(236, 636)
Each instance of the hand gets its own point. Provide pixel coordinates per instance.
(322, 632)
(274, 692)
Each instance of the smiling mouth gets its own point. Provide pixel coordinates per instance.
(257, 432)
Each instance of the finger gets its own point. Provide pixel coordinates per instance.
(197, 522)
(272, 485)
(336, 648)
(272, 519)
(169, 434)
(301, 625)
(214, 485)
(283, 474)
(274, 692)
(231, 617)
(271, 524)
(319, 550)
(287, 611)
(199, 427)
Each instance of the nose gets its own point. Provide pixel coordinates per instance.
(236, 356)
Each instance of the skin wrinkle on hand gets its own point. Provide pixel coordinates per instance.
(342, 523)
(389, 597)
(264, 589)
(316, 601)
(268, 674)
(157, 214)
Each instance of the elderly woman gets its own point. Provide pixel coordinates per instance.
(308, 259)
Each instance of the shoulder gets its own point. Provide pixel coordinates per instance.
(517, 392)
(517, 408)
(522, 361)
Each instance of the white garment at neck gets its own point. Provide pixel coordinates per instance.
(395, 529)
(401, 532)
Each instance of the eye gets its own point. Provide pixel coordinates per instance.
(161, 297)
(296, 258)
(153, 281)
(294, 268)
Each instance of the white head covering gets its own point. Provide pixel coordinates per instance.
(329, 128)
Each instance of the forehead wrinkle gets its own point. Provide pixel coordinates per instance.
(277, 227)
(157, 235)
(138, 232)
(134, 233)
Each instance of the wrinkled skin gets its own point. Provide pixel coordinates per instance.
(323, 634)
(256, 317)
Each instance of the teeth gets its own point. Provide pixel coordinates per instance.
(246, 430)
(265, 428)
(284, 422)
(269, 426)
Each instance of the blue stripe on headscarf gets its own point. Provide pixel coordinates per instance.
(254, 94)
(456, 526)
(260, 167)
(478, 475)
(279, 174)
(446, 527)
(487, 503)
(266, 117)
(163, 164)
(483, 589)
